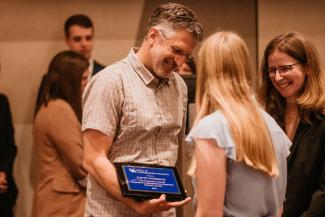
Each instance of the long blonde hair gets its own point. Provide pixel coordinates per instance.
(224, 84)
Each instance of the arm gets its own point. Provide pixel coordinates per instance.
(211, 174)
(3, 183)
(97, 145)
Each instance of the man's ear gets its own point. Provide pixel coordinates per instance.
(153, 35)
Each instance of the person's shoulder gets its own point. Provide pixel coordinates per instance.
(215, 126)
(3, 97)
(58, 104)
(110, 78)
(279, 137)
(179, 79)
(111, 72)
(53, 108)
(179, 82)
(213, 120)
(115, 69)
(4, 103)
(98, 65)
(270, 122)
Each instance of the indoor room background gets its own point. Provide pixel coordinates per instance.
(31, 33)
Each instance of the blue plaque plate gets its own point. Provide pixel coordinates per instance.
(143, 181)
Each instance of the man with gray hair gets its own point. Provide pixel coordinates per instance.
(135, 110)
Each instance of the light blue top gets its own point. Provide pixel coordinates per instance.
(249, 192)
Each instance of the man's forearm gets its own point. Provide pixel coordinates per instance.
(103, 171)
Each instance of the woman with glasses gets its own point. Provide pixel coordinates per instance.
(293, 92)
(240, 151)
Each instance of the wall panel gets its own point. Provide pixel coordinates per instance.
(276, 17)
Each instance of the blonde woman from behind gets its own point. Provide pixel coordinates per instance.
(240, 152)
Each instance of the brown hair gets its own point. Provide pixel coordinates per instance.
(63, 80)
(311, 99)
(176, 16)
(79, 20)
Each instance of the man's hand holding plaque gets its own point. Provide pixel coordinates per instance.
(157, 205)
(144, 182)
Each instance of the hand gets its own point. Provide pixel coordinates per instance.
(3, 178)
(157, 205)
(280, 211)
(3, 183)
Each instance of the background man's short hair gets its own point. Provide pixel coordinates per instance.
(176, 16)
(77, 19)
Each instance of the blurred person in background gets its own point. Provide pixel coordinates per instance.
(60, 188)
(79, 36)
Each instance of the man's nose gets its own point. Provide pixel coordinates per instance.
(84, 42)
(180, 60)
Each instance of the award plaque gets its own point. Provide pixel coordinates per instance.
(147, 181)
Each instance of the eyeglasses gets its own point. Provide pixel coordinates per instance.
(284, 69)
(176, 51)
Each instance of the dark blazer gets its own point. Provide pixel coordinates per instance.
(305, 194)
(97, 67)
(190, 81)
(8, 152)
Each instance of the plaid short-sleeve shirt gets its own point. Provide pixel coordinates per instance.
(144, 115)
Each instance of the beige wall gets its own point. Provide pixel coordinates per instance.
(233, 15)
(276, 17)
(31, 34)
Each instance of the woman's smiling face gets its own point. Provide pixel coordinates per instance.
(289, 80)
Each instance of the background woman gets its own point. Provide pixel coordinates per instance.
(58, 140)
(293, 92)
(240, 151)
